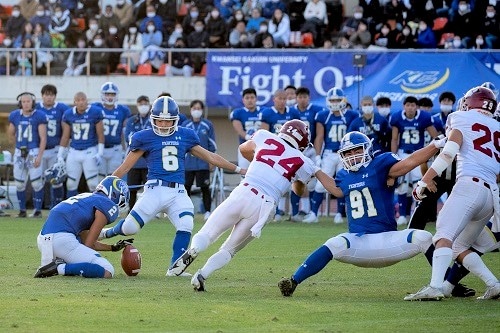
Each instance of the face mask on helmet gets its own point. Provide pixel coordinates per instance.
(296, 133)
(166, 109)
(335, 100)
(56, 175)
(116, 190)
(354, 141)
(107, 91)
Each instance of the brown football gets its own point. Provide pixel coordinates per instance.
(131, 260)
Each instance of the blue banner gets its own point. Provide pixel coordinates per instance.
(385, 73)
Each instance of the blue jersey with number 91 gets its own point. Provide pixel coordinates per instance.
(370, 207)
(165, 155)
(77, 213)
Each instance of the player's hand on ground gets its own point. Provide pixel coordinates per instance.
(98, 159)
(121, 244)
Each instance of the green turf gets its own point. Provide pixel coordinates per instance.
(243, 297)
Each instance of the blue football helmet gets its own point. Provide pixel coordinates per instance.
(354, 140)
(109, 88)
(336, 100)
(165, 108)
(116, 189)
(491, 87)
(56, 174)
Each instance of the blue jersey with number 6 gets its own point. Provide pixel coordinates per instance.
(165, 155)
(370, 206)
(77, 213)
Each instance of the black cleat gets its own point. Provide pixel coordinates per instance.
(49, 269)
(36, 214)
(198, 282)
(287, 286)
(461, 290)
(22, 214)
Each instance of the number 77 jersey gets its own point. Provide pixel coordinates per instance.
(276, 164)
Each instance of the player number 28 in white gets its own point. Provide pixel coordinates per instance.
(358, 209)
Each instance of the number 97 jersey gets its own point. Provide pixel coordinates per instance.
(276, 164)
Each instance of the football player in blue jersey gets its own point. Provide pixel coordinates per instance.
(165, 147)
(138, 174)
(115, 116)
(373, 239)
(28, 131)
(246, 120)
(54, 111)
(182, 116)
(83, 124)
(68, 239)
(307, 113)
(272, 119)
(408, 135)
(373, 125)
(196, 167)
(331, 126)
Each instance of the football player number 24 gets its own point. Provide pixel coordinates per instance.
(272, 157)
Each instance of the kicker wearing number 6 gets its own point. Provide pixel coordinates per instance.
(164, 147)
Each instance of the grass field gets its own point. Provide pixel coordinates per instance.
(243, 297)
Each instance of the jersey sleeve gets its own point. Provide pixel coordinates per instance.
(306, 172)
(137, 142)
(109, 209)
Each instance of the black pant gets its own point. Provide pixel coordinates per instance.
(136, 176)
(426, 210)
(203, 182)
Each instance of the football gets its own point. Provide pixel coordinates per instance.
(131, 260)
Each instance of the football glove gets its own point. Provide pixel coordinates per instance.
(439, 141)
(121, 244)
(98, 159)
(317, 160)
(419, 191)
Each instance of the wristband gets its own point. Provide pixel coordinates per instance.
(237, 170)
(100, 149)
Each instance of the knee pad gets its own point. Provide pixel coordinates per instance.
(20, 186)
(422, 238)
(336, 245)
(184, 222)
(72, 184)
(92, 183)
(201, 241)
(37, 185)
(131, 226)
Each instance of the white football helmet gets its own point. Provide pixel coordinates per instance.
(109, 88)
(336, 100)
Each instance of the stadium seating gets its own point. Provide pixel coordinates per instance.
(144, 69)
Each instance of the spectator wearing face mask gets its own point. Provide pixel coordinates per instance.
(132, 43)
(41, 17)
(254, 21)
(114, 40)
(386, 37)
(455, 43)
(248, 6)
(216, 28)
(99, 60)
(151, 17)
(167, 10)
(15, 24)
(490, 28)
(198, 39)
(92, 30)
(350, 25)
(478, 43)
(406, 39)
(279, 27)
(125, 13)
(196, 168)
(176, 34)
(235, 19)
(261, 34)
(6, 54)
(107, 19)
(60, 23)
(152, 40)
(189, 21)
(362, 37)
(138, 122)
(181, 61)
(425, 37)
(77, 60)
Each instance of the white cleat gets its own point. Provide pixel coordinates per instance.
(198, 282)
(310, 218)
(296, 218)
(338, 219)
(402, 220)
(492, 292)
(183, 274)
(180, 265)
(427, 293)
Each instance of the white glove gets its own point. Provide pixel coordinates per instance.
(317, 160)
(60, 160)
(439, 141)
(419, 191)
(98, 159)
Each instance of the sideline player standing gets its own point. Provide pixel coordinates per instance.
(83, 125)
(373, 239)
(246, 210)
(473, 138)
(164, 147)
(246, 121)
(115, 116)
(54, 111)
(28, 130)
(82, 216)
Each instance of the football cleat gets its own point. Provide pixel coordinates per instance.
(183, 274)
(183, 262)
(310, 218)
(22, 214)
(287, 286)
(492, 292)
(198, 282)
(338, 219)
(48, 270)
(461, 290)
(36, 214)
(402, 220)
(296, 218)
(427, 293)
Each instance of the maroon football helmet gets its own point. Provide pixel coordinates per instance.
(296, 133)
(479, 98)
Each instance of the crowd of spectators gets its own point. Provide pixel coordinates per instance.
(145, 28)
